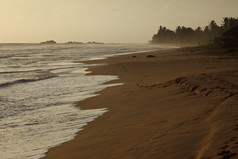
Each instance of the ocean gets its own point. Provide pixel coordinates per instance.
(39, 85)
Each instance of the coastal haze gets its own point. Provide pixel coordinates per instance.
(117, 79)
(33, 21)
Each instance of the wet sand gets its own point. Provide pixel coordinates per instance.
(175, 104)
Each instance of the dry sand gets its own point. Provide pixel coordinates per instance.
(180, 104)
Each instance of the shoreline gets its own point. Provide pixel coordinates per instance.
(162, 110)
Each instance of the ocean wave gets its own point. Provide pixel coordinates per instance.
(42, 77)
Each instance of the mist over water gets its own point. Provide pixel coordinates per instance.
(38, 87)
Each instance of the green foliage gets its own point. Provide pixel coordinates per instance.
(200, 35)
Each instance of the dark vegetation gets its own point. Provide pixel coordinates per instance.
(212, 33)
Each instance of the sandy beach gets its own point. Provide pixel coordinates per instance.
(173, 104)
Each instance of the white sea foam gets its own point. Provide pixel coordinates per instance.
(38, 86)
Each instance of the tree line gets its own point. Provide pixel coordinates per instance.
(199, 35)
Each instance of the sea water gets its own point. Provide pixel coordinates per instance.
(39, 85)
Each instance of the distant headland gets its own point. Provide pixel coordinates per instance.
(93, 42)
(48, 42)
(73, 42)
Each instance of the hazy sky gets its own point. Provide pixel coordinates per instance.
(104, 20)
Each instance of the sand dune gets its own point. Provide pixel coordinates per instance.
(175, 104)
